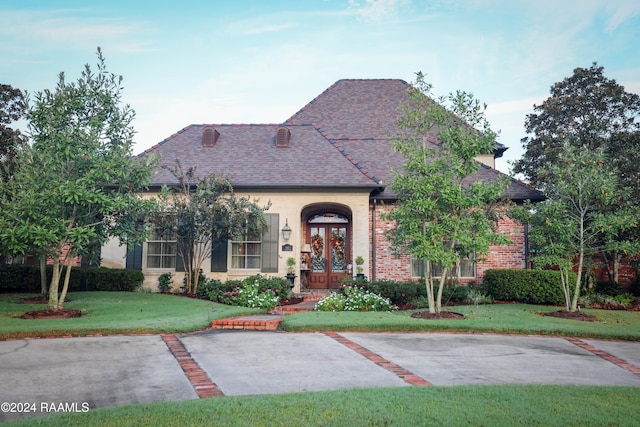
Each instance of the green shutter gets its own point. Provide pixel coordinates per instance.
(270, 241)
(219, 257)
(134, 258)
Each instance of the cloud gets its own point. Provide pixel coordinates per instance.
(68, 28)
(376, 10)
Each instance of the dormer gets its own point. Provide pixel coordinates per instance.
(209, 136)
(283, 135)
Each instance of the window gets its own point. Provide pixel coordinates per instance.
(466, 268)
(246, 253)
(161, 250)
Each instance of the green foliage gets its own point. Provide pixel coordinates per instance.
(577, 219)
(113, 279)
(255, 291)
(26, 278)
(608, 288)
(354, 298)
(19, 278)
(204, 213)
(207, 286)
(441, 218)
(12, 108)
(527, 286)
(78, 183)
(590, 112)
(335, 301)
(165, 282)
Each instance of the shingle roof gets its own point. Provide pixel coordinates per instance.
(339, 139)
(247, 155)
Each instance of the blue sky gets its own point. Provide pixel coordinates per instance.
(260, 61)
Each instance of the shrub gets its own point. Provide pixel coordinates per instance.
(255, 291)
(207, 287)
(165, 282)
(355, 298)
(396, 292)
(250, 294)
(333, 302)
(113, 279)
(608, 288)
(527, 286)
(19, 278)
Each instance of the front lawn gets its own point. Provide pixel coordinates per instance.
(403, 406)
(490, 318)
(136, 312)
(114, 313)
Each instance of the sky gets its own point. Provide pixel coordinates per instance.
(241, 61)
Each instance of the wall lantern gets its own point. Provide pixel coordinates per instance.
(286, 231)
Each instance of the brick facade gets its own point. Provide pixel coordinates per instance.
(389, 267)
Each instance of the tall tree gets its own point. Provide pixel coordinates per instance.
(589, 110)
(78, 183)
(12, 108)
(573, 222)
(204, 213)
(442, 214)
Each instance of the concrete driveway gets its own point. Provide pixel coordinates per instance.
(64, 374)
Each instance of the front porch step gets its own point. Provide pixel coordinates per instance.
(260, 322)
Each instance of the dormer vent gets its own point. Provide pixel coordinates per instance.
(283, 135)
(209, 136)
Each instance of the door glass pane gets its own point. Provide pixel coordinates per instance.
(338, 255)
(318, 262)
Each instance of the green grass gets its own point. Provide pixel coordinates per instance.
(114, 313)
(497, 318)
(403, 406)
(126, 313)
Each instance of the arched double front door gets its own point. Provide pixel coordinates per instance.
(329, 237)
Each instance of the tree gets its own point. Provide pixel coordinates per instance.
(204, 213)
(442, 214)
(573, 222)
(589, 110)
(12, 108)
(78, 183)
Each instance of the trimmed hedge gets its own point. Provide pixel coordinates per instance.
(26, 278)
(526, 286)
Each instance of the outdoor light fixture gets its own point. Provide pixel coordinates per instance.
(286, 231)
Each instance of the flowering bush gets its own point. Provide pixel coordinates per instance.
(332, 302)
(249, 294)
(354, 298)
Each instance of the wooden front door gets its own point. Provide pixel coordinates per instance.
(330, 253)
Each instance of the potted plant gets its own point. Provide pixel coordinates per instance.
(359, 268)
(291, 270)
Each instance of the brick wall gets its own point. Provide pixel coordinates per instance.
(389, 267)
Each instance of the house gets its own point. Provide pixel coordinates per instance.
(326, 171)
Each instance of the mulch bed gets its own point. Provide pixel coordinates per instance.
(52, 314)
(571, 315)
(448, 315)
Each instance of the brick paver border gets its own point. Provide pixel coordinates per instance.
(408, 376)
(197, 377)
(606, 356)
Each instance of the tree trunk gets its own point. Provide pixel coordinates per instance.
(53, 287)
(43, 274)
(430, 298)
(576, 291)
(65, 286)
(443, 280)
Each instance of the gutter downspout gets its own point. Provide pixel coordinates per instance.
(373, 240)
(526, 246)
